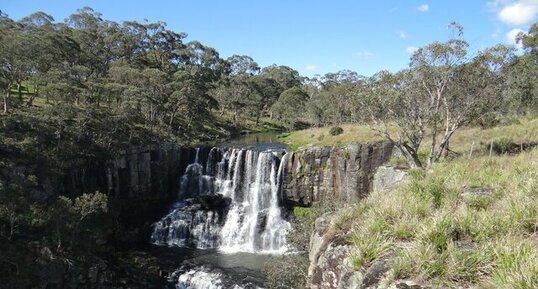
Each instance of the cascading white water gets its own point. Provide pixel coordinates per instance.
(202, 277)
(255, 224)
(252, 220)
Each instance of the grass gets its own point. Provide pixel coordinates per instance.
(27, 87)
(321, 137)
(524, 129)
(442, 237)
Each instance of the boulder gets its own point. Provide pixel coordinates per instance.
(387, 178)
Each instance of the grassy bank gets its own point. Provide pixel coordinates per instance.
(524, 129)
(464, 223)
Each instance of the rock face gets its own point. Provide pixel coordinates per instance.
(141, 183)
(328, 255)
(139, 173)
(331, 264)
(387, 178)
(317, 174)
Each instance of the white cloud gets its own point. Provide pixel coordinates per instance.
(423, 8)
(311, 67)
(411, 49)
(522, 12)
(365, 54)
(402, 35)
(515, 12)
(511, 36)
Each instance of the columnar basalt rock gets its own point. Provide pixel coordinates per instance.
(139, 173)
(316, 174)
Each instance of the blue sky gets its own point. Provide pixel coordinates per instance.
(313, 36)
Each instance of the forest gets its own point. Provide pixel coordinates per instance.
(83, 89)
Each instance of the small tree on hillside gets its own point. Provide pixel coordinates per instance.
(441, 92)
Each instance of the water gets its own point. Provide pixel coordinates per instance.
(232, 204)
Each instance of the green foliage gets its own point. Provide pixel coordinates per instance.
(504, 145)
(303, 212)
(368, 249)
(336, 130)
(290, 106)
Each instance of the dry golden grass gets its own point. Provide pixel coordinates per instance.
(524, 129)
(320, 136)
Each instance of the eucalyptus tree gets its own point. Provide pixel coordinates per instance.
(396, 112)
(43, 33)
(100, 42)
(15, 58)
(333, 98)
(434, 69)
(522, 74)
(201, 67)
(285, 76)
(234, 91)
(440, 92)
(290, 106)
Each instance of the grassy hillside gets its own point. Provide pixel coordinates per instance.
(462, 223)
(519, 130)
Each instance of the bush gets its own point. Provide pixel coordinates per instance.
(288, 271)
(300, 125)
(505, 145)
(336, 130)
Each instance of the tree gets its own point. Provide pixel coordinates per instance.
(476, 91)
(522, 74)
(242, 65)
(333, 98)
(15, 58)
(434, 67)
(390, 101)
(69, 215)
(440, 93)
(290, 105)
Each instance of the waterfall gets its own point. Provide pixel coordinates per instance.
(231, 203)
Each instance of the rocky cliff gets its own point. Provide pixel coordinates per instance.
(138, 173)
(141, 183)
(316, 174)
(330, 250)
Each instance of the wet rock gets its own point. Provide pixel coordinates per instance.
(261, 222)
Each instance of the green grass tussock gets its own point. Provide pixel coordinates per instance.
(470, 223)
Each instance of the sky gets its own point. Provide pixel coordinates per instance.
(314, 36)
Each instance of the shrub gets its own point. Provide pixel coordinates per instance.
(302, 212)
(288, 271)
(336, 131)
(300, 125)
(504, 145)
